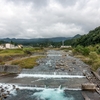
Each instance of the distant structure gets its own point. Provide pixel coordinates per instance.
(63, 43)
(65, 47)
(10, 46)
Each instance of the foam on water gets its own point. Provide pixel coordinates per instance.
(8, 87)
(41, 88)
(41, 93)
(48, 76)
(52, 94)
(22, 87)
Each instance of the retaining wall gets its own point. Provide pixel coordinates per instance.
(10, 68)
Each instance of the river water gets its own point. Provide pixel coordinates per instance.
(57, 77)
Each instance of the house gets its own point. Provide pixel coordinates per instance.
(9, 46)
(65, 47)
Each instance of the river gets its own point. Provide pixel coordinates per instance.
(57, 77)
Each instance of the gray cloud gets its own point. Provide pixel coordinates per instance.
(47, 18)
(65, 3)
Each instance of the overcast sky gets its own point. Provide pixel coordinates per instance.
(48, 18)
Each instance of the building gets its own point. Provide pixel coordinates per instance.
(65, 47)
(9, 46)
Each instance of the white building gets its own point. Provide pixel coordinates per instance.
(7, 45)
(10, 46)
(65, 47)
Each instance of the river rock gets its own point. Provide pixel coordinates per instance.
(17, 89)
(8, 92)
(73, 62)
(89, 86)
(4, 96)
(2, 90)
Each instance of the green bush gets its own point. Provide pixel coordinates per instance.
(81, 50)
(85, 51)
(93, 55)
(96, 64)
(88, 61)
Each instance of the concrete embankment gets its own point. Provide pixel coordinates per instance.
(10, 68)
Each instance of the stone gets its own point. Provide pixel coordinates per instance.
(14, 86)
(56, 67)
(62, 69)
(4, 96)
(73, 62)
(8, 92)
(89, 86)
(17, 89)
(2, 90)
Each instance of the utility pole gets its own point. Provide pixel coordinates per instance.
(63, 43)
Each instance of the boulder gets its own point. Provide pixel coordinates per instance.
(17, 89)
(56, 67)
(4, 96)
(89, 86)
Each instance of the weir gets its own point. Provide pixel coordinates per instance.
(43, 73)
(50, 73)
(49, 76)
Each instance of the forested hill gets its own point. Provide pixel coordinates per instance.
(71, 41)
(36, 41)
(93, 37)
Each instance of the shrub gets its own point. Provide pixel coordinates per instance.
(93, 55)
(88, 61)
(27, 52)
(96, 64)
(85, 51)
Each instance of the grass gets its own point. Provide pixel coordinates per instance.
(27, 63)
(90, 55)
(35, 49)
(11, 52)
(92, 60)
